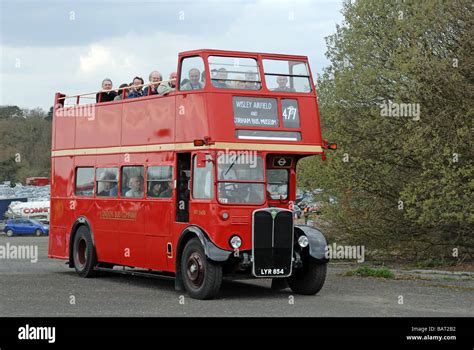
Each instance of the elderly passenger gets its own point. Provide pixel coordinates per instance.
(106, 94)
(155, 77)
(168, 86)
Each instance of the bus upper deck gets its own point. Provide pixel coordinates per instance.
(223, 99)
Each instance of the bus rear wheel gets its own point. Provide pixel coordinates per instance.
(309, 279)
(84, 255)
(202, 278)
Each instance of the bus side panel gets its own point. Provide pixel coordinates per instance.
(131, 236)
(221, 116)
(161, 116)
(102, 129)
(177, 229)
(64, 130)
(309, 120)
(139, 114)
(191, 117)
(60, 214)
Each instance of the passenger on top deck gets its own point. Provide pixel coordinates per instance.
(136, 88)
(168, 86)
(251, 81)
(221, 79)
(282, 81)
(193, 83)
(121, 92)
(154, 77)
(106, 94)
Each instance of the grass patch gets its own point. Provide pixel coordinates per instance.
(366, 271)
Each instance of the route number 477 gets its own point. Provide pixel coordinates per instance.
(289, 113)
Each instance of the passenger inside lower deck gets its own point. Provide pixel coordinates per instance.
(162, 189)
(109, 185)
(136, 187)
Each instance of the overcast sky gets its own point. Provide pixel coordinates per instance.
(70, 46)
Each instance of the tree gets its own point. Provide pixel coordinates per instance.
(25, 137)
(398, 99)
(9, 170)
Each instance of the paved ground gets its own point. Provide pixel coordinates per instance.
(47, 287)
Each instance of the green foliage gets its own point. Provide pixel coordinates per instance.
(365, 271)
(404, 186)
(25, 143)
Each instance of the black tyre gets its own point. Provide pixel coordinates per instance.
(309, 279)
(84, 255)
(9, 233)
(202, 278)
(38, 233)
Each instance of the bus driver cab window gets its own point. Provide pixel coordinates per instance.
(202, 177)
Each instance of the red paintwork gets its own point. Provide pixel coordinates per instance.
(149, 121)
(37, 181)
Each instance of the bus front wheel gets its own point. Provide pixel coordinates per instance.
(309, 279)
(84, 255)
(202, 278)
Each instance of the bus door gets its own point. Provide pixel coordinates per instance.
(183, 175)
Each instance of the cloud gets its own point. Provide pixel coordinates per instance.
(96, 58)
(293, 27)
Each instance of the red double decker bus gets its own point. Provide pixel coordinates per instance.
(197, 184)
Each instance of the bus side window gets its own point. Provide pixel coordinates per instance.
(132, 182)
(84, 185)
(160, 181)
(202, 179)
(106, 182)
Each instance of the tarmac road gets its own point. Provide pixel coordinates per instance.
(49, 288)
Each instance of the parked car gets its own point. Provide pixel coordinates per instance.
(22, 226)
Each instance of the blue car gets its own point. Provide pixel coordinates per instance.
(23, 226)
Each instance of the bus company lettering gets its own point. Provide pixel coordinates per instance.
(118, 215)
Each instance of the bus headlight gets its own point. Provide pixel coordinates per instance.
(303, 241)
(235, 242)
